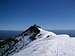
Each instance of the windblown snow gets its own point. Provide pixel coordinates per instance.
(48, 44)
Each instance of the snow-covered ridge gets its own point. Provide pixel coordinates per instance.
(36, 41)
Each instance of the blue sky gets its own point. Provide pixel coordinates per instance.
(50, 14)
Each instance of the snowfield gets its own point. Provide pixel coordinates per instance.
(49, 44)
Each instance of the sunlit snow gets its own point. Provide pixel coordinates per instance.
(49, 44)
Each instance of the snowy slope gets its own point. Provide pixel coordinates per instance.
(49, 44)
(36, 41)
(52, 47)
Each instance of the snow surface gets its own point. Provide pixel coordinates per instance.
(49, 44)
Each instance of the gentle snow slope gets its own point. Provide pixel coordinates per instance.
(49, 44)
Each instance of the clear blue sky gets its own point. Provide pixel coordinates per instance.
(50, 14)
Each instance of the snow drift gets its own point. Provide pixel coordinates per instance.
(38, 42)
